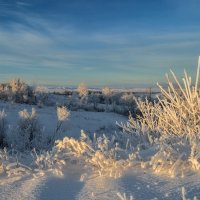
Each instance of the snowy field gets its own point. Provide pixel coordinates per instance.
(53, 153)
(90, 122)
(74, 183)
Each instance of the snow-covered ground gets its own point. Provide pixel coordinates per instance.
(74, 184)
(90, 122)
(142, 185)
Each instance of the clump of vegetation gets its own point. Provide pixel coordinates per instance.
(106, 91)
(62, 115)
(29, 131)
(171, 125)
(17, 91)
(82, 89)
(164, 137)
(101, 155)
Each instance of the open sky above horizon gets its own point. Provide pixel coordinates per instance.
(118, 43)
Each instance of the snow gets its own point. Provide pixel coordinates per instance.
(143, 186)
(90, 122)
(20, 188)
(66, 187)
(79, 183)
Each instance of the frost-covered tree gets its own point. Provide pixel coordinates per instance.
(17, 85)
(29, 131)
(83, 94)
(82, 89)
(18, 91)
(106, 91)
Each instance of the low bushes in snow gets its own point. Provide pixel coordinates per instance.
(105, 101)
(171, 127)
(28, 133)
(100, 154)
(17, 91)
(164, 137)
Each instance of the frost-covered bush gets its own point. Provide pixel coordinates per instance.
(17, 85)
(29, 132)
(99, 154)
(48, 160)
(20, 91)
(106, 91)
(83, 94)
(82, 89)
(11, 165)
(127, 99)
(63, 115)
(170, 126)
(3, 128)
(17, 91)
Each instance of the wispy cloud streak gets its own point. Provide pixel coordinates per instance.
(31, 43)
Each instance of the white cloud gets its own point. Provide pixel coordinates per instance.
(22, 4)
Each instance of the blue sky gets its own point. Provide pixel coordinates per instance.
(120, 43)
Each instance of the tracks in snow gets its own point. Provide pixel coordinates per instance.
(98, 188)
(143, 186)
(25, 188)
